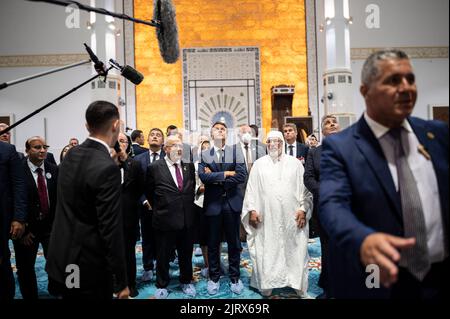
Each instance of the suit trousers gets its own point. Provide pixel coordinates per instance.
(7, 282)
(435, 285)
(148, 239)
(25, 261)
(130, 257)
(227, 222)
(323, 278)
(182, 240)
(101, 290)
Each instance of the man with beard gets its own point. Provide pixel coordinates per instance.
(275, 214)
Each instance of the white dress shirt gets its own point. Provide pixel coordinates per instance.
(33, 169)
(425, 176)
(101, 142)
(249, 159)
(294, 149)
(216, 151)
(158, 156)
(171, 167)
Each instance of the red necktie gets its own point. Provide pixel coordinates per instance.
(179, 177)
(42, 191)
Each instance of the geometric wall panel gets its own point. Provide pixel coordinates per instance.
(221, 83)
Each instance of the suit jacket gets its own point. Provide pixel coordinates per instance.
(50, 158)
(216, 186)
(302, 150)
(88, 226)
(51, 176)
(311, 176)
(13, 193)
(132, 188)
(257, 152)
(358, 197)
(137, 149)
(172, 209)
(144, 160)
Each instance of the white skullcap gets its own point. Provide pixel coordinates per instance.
(275, 134)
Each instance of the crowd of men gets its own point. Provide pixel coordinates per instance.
(375, 194)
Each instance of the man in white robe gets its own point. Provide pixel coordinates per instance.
(276, 210)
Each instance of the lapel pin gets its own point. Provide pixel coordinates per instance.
(48, 175)
(423, 151)
(430, 135)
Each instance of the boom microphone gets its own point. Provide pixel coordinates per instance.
(167, 31)
(98, 65)
(128, 72)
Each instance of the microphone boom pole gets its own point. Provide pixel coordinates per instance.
(153, 23)
(52, 102)
(10, 83)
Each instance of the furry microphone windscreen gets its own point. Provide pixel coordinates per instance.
(167, 32)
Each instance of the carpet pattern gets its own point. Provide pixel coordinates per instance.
(147, 289)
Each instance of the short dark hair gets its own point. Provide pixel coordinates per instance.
(156, 129)
(169, 128)
(255, 129)
(100, 114)
(219, 122)
(135, 134)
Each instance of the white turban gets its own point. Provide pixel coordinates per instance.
(275, 134)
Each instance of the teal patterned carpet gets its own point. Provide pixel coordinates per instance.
(147, 289)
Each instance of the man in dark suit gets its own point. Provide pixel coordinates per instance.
(132, 188)
(292, 147)
(87, 236)
(6, 137)
(170, 187)
(188, 156)
(138, 139)
(13, 213)
(221, 171)
(311, 179)
(155, 140)
(384, 192)
(41, 179)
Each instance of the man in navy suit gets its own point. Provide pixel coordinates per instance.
(384, 192)
(221, 171)
(292, 147)
(137, 138)
(155, 141)
(13, 205)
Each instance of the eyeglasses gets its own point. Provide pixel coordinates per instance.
(275, 141)
(176, 146)
(123, 141)
(39, 147)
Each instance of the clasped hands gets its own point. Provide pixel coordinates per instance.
(225, 173)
